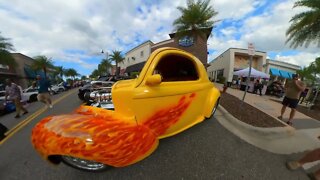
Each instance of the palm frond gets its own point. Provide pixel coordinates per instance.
(305, 26)
(194, 18)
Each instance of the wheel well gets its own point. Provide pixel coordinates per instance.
(214, 97)
(54, 159)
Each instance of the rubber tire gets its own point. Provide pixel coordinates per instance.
(65, 160)
(33, 98)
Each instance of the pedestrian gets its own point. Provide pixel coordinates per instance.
(14, 94)
(44, 86)
(303, 95)
(311, 156)
(257, 86)
(293, 89)
(239, 83)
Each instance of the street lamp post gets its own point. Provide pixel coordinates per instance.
(251, 53)
(107, 56)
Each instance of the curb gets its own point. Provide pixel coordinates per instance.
(266, 133)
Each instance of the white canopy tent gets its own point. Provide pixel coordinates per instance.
(254, 73)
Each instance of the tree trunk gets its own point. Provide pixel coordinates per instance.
(117, 73)
(45, 72)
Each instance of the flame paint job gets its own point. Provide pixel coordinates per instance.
(101, 135)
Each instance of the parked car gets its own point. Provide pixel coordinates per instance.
(57, 88)
(2, 103)
(30, 94)
(171, 94)
(66, 85)
(6, 106)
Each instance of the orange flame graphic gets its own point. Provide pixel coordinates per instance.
(104, 136)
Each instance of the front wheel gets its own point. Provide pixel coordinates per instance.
(83, 164)
(33, 98)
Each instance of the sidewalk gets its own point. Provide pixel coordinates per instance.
(266, 104)
(303, 136)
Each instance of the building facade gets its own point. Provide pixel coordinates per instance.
(279, 69)
(234, 59)
(21, 73)
(136, 57)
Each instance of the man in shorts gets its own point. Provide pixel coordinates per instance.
(293, 90)
(44, 95)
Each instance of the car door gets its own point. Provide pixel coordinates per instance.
(174, 104)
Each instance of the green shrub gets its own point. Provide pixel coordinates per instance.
(222, 79)
(134, 75)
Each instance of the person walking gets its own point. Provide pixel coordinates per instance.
(14, 93)
(311, 156)
(293, 90)
(257, 86)
(44, 86)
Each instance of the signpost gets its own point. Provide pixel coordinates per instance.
(251, 52)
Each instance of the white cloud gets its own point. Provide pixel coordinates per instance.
(234, 9)
(267, 32)
(50, 27)
(301, 59)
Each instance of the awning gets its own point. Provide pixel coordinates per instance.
(275, 72)
(30, 73)
(284, 74)
(290, 74)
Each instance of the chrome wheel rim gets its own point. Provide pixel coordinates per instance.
(215, 107)
(84, 164)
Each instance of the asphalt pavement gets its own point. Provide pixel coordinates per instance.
(205, 151)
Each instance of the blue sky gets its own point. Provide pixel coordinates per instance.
(74, 32)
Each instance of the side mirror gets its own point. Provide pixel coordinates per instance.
(154, 80)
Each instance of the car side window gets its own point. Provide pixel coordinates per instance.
(176, 68)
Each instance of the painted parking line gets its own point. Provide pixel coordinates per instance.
(26, 121)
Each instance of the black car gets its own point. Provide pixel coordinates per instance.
(82, 90)
(94, 85)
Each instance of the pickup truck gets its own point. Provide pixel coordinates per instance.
(171, 94)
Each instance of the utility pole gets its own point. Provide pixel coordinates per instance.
(251, 53)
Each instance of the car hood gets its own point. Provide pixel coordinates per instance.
(94, 134)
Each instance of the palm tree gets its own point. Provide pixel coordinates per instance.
(5, 55)
(195, 20)
(95, 73)
(72, 73)
(83, 78)
(42, 63)
(60, 71)
(305, 26)
(117, 58)
(306, 74)
(104, 66)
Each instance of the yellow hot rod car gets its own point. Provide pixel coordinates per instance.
(171, 94)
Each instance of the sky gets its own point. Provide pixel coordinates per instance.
(73, 32)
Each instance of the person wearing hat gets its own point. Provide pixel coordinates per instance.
(293, 89)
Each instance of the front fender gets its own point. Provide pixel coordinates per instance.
(213, 96)
(94, 134)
